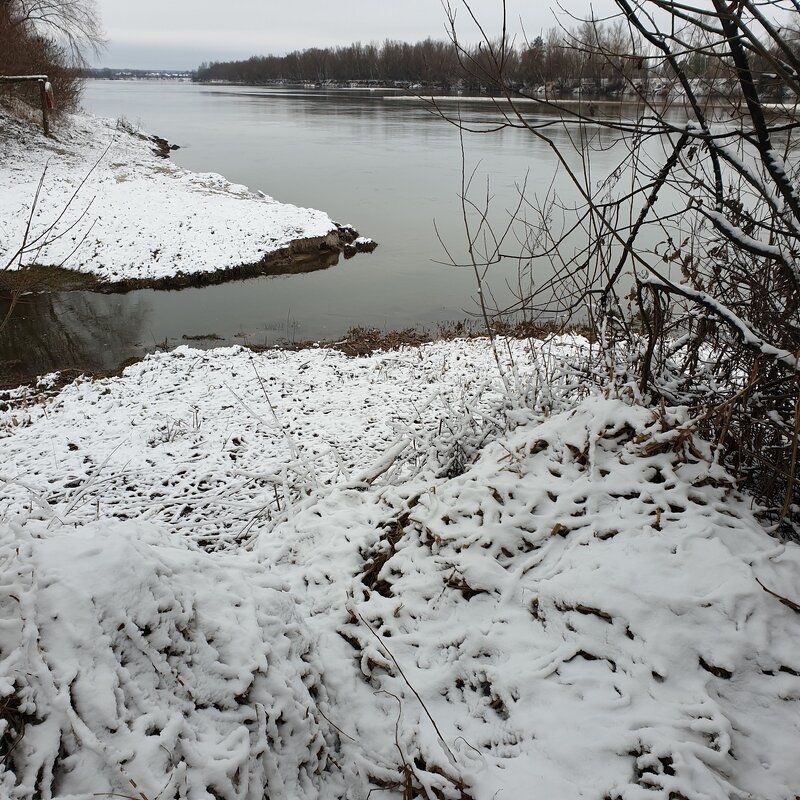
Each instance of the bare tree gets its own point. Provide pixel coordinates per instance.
(689, 251)
(48, 37)
(73, 25)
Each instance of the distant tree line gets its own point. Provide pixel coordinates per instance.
(112, 73)
(426, 62)
(595, 57)
(550, 59)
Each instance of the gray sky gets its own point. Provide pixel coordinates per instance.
(180, 34)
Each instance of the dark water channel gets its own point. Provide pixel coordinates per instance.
(389, 168)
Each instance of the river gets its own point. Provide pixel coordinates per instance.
(391, 169)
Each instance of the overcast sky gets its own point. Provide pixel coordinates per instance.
(180, 34)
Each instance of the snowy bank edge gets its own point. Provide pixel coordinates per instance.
(139, 221)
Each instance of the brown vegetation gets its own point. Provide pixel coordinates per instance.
(686, 256)
(47, 37)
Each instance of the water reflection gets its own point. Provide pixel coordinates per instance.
(71, 330)
(390, 168)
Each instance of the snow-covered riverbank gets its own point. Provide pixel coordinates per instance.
(111, 207)
(299, 575)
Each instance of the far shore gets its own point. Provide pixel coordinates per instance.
(555, 102)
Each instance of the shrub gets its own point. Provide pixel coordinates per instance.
(48, 37)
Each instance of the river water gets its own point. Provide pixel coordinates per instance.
(390, 168)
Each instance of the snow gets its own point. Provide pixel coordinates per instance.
(751, 339)
(299, 575)
(161, 668)
(224, 428)
(111, 207)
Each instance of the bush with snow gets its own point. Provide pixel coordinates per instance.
(137, 666)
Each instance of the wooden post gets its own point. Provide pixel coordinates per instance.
(43, 99)
(44, 84)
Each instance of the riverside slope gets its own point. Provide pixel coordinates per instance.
(110, 206)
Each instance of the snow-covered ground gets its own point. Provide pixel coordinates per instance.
(299, 575)
(109, 206)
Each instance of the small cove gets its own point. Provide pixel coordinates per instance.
(393, 170)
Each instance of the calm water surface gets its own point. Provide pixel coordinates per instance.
(391, 169)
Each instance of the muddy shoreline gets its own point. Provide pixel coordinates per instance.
(358, 342)
(298, 257)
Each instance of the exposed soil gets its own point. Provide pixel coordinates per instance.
(47, 279)
(358, 342)
(365, 341)
(302, 255)
(13, 374)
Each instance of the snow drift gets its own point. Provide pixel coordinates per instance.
(143, 668)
